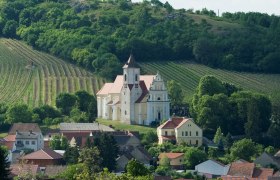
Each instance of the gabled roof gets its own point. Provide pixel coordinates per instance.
(171, 123)
(241, 169)
(45, 153)
(144, 91)
(171, 155)
(24, 127)
(84, 127)
(214, 161)
(10, 137)
(105, 89)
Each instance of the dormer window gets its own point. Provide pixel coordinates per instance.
(136, 77)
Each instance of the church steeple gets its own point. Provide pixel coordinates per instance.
(130, 63)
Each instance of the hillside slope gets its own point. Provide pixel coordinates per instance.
(188, 75)
(36, 78)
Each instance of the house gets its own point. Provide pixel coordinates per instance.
(77, 133)
(133, 98)
(266, 159)
(43, 157)
(180, 130)
(212, 169)
(29, 140)
(24, 136)
(247, 171)
(130, 147)
(176, 159)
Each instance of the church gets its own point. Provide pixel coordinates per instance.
(133, 98)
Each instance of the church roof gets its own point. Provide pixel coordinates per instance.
(144, 92)
(130, 63)
(116, 87)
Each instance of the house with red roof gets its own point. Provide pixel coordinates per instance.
(176, 159)
(247, 171)
(43, 157)
(133, 98)
(180, 130)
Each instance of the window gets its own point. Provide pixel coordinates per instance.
(196, 142)
(125, 77)
(125, 112)
(182, 133)
(196, 133)
(136, 85)
(19, 142)
(158, 98)
(27, 142)
(33, 142)
(166, 133)
(136, 77)
(186, 133)
(190, 133)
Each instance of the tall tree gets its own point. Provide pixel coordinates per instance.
(108, 148)
(136, 168)
(193, 157)
(18, 113)
(175, 92)
(66, 102)
(91, 158)
(71, 155)
(245, 149)
(4, 164)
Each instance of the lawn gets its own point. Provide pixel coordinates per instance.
(3, 134)
(117, 125)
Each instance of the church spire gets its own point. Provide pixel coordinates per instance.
(131, 62)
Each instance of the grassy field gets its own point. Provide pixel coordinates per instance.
(120, 126)
(3, 134)
(41, 83)
(188, 75)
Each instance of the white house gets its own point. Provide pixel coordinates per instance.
(134, 98)
(180, 130)
(212, 169)
(29, 140)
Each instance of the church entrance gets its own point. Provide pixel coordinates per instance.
(159, 116)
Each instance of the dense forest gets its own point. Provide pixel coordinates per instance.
(100, 35)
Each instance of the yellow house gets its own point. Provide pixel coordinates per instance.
(180, 130)
(176, 159)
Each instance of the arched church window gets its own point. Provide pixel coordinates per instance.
(158, 98)
(125, 112)
(125, 77)
(136, 77)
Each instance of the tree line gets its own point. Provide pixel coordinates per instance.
(78, 107)
(100, 35)
(218, 104)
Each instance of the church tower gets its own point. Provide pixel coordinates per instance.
(158, 103)
(131, 91)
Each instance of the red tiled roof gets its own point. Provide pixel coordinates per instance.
(144, 91)
(262, 173)
(171, 155)
(24, 127)
(241, 169)
(45, 153)
(10, 137)
(172, 123)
